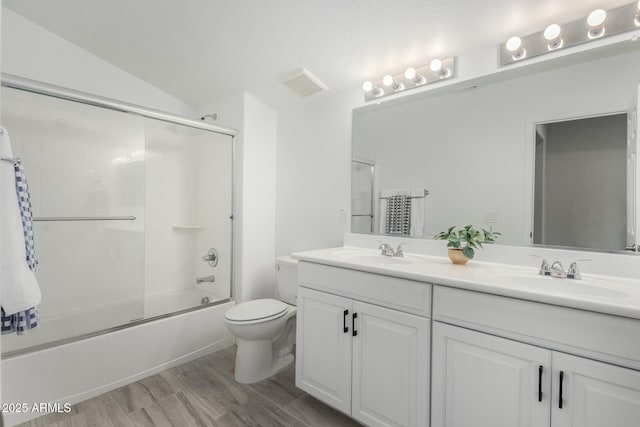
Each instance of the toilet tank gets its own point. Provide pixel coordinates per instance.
(287, 279)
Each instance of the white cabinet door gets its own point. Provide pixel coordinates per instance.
(594, 394)
(482, 380)
(323, 347)
(390, 367)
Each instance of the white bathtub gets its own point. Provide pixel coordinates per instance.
(74, 372)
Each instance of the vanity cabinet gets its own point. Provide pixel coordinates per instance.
(482, 380)
(369, 361)
(479, 378)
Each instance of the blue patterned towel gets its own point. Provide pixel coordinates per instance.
(24, 204)
(22, 321)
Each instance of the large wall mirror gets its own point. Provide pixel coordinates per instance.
(546, 158)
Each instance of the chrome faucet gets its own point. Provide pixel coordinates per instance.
(574, 272)
(211, 279)
(387, 250)
(399, 251)
(557, 270)
(545, 268)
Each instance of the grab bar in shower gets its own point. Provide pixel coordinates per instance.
(84, 218)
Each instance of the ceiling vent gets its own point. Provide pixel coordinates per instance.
(304, 83)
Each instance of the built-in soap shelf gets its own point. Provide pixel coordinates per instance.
(188, 227)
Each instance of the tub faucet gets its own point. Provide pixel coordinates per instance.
(211, 279)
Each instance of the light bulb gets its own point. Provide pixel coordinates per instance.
(369, 87)
(412, 74)
(389, 81)
(595, 21)
(437, 66)
(552, 34)
(514, 45)
(596, 18)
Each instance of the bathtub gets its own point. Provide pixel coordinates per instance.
(79, 370)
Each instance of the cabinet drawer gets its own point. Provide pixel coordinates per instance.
(598, 336)
(400, 294)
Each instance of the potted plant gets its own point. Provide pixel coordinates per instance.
(462, 243)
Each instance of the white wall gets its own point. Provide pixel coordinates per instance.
(313, 173)
(258, 199)
(255, 191)
(33, 52)
(473, 150)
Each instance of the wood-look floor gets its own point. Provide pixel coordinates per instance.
(201, 393)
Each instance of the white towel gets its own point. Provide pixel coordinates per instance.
(19, 288)
(417, 209)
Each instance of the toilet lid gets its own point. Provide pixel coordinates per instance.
(256, 310)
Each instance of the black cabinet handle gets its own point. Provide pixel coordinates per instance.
(345, 328)
(560, 399)
(353, 324)
(540, 383)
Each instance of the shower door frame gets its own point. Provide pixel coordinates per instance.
(46, 89)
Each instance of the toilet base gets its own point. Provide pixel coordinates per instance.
(254, 361)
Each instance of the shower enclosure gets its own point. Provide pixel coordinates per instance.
(133, 211)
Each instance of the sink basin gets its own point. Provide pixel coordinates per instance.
(586, 287)
(381, 259)
(353, 255)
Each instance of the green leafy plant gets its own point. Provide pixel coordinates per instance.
(467, 239)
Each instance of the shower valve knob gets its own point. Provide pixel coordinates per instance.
(211, 257)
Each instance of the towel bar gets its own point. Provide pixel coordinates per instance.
(426, 193)
(84, 218)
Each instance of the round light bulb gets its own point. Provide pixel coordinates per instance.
(387, 80)
(596, 18)
(514, 43)
(435, 65)
(367, 86)
(552, 32)
(410, 73)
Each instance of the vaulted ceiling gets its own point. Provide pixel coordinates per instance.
(201, 50)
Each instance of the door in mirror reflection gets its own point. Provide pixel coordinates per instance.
(580, 197)
(362, 199)
(633, 177)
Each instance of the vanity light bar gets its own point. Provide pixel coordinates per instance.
(438, 70)
(598, 24)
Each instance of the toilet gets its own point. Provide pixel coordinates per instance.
(265, 329)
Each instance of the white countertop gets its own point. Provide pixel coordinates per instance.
(604, 294)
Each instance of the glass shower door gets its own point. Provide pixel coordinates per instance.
(85, 167)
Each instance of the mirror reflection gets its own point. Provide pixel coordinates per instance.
(478, 153)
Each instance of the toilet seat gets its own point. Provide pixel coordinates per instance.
(256, 311)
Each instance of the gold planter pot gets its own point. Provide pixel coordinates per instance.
(457, 256)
